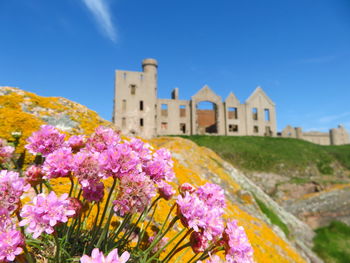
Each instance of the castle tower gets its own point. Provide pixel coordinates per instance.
(135, 101)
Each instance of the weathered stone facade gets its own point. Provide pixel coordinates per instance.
(138, 111)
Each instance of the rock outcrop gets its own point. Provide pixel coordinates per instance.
(25, 112)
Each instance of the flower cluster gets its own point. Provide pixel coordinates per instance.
(11, 188)
(202, 211)
(135, 194)
(45, 212)
(238, 248)
(138, 172)
(6, 152)
(98, 257)
(45, 141)
(11, 240)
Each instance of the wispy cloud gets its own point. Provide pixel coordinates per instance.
(331, 118)
(102, 14)
(318, 60)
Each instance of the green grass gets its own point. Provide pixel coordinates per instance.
(278, 155)
(272, 216)
(332, 243)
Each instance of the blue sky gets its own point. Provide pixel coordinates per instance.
(297, 50)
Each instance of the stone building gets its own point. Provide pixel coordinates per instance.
(335, 136)
(138, 110)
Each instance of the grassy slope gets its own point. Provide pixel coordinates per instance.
(277, 155)
(332, 243)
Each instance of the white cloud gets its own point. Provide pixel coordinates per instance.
(331, 118)
(102, 14)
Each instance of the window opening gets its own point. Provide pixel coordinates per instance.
(141, 122)
(133, 89)
(141, 105)
(164, 126)
(182, 110)
(123, 122)
(232, 113)
(267, 114)
(183, 127)
(164, 109)
(233, 128)
(255, 114)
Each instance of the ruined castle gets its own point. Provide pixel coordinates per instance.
(139, 111)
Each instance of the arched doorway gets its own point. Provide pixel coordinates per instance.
(207, 117)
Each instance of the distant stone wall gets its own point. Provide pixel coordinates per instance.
(336, 136)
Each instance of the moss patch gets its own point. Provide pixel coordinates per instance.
(332, 243)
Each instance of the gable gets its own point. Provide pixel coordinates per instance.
(258, 92)
(206, 94)
(232, 99)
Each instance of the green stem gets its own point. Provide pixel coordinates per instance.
(28, 255)
(158, 238)
(57, 256)
(177, 251)
(143, 230)
(105, 229)
(164, 247)
(170, 254)
(71, 186)
(107, 202)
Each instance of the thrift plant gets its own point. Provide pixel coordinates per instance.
(55, 228)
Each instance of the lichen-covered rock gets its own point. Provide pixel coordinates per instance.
(321, 208)
(24, 112)
(198, 165)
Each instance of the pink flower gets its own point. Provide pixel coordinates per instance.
(11, 188)
(192, 211)
(11, 242)
(45, 212)
(98, 257)
(202, 210)
(119, 160)
(165, 190)
(161, 166)
(75, 205)
(86, 168)
(143, 149)
(58, 163)
(94, 191)
(102, 139)
(6, 152)
(212, 194)
(135, 193)
(238, 248)
(76, 142)
(34, 175)
(45, 141)
(5, 220)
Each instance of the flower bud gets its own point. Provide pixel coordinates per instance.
(186, 187)
(34, 175)
(198, 242)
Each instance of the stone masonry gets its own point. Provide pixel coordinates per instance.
(139, 112)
